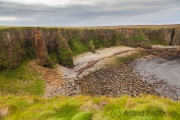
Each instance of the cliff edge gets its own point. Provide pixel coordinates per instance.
(50, 45)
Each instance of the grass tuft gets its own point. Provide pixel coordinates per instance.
(70, 108)
(82, 116)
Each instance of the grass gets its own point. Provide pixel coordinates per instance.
(78, 47)
(54, 57)
(139, 38)
(91, 46)
(129, 58)
(20, 81)
(158, 42)
(133, 41)
(87, 108)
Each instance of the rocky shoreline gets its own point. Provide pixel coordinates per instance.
(115, 80)
(162, 73)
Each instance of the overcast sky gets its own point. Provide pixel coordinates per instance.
(88, 12)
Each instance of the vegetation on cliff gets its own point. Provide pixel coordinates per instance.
(77, 46)
(63, 51)
(17, 44)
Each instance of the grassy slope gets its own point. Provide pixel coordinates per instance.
(86, 108)
(79, 47)
(21, 80)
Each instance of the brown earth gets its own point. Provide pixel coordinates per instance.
(52, 76)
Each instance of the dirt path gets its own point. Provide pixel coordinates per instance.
(89, 61)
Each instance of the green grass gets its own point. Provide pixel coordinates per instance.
(158, 42)
(129, 58)
(139, 38)
(78, 47)
(20, 81)
(133, 41)
(91, 46)
(54, 57)
(87, 108)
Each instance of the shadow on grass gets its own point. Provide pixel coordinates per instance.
(67, 112)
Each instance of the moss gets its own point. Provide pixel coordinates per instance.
(128, 59)
(64, 53)
(139, 38)
(96, 41)
(79, 47)
(91, 46)
(71, 44)
(31, 52)
(158, 42)
(134, 41)
(54, 57)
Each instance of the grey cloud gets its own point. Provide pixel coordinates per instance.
(101, 13)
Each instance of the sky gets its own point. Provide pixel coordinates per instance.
(88, 12)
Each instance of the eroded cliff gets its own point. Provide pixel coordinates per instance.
(49, 45)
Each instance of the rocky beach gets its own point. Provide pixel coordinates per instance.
(103, 75)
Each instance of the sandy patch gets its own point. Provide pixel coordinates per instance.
(87, 62)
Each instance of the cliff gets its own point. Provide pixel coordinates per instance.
(49, 45)
(169, 52)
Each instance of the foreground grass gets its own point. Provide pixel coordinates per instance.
(21, 80)
(87, 108)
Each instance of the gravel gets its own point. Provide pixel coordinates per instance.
(114, 82)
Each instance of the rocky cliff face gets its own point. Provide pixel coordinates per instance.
(175, 37)
(41, 50)
(17, 44)
(158, 34)
(169, 52)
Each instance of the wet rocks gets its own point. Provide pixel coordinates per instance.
(163, 74)
(114, 82)
(69, 88)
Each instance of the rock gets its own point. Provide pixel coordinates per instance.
(41, 51)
